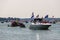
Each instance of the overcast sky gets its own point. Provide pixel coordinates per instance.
(24, 8)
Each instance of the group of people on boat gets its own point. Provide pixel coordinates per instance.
(41, 20)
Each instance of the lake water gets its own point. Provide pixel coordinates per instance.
(17, 33)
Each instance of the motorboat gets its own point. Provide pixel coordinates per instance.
(16, 24)
(37, 24)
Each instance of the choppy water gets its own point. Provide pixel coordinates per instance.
(17, 33)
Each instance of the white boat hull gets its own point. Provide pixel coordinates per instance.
(39, 26)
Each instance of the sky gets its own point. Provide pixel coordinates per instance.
(24, 8)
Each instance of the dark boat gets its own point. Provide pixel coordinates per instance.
(16, 24)
(2, 22)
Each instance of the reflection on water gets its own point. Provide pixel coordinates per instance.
(17, 33)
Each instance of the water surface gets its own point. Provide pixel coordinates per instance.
(17, 33)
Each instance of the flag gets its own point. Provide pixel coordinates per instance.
(32, 15)
(46, 16)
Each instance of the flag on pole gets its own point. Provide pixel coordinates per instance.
(32, 15)
(46, 16)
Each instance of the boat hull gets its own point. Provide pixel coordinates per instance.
(39, 27)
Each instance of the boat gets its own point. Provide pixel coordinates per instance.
(2, 22)
(16, 24)
(37, 24)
